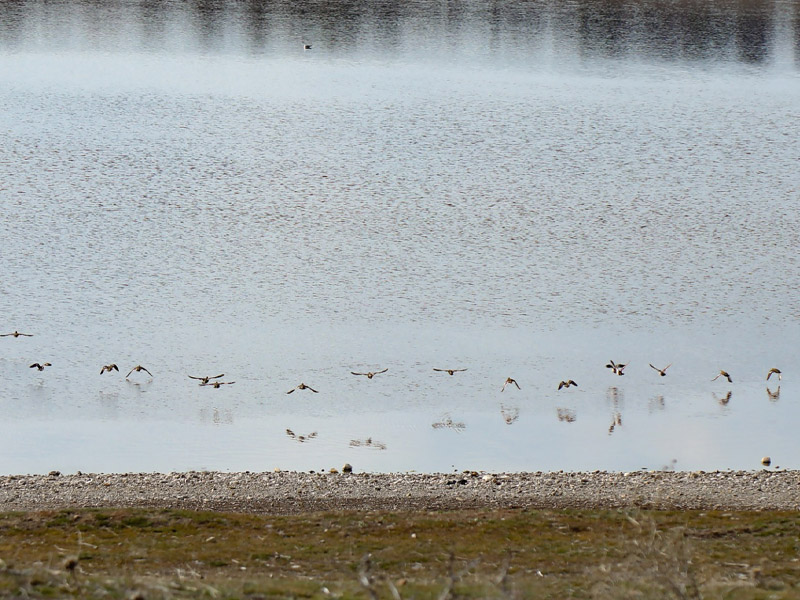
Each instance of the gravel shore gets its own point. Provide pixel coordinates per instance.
(292, 492)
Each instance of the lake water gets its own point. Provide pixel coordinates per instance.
(523, 189)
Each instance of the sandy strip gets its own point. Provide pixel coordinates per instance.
(292, 492)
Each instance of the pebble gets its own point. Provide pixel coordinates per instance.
(277, 491)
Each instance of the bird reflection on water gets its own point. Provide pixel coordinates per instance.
(510, 414)
(448, 423)
(566, 415)
(368, 443)
(774, 396)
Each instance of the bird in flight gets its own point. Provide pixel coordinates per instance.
(662, 372)
(723, 374)
(776, 371)
(109, 368)
(616, 368)
(370, 374)
(508, 381)
(566, 384)
(16, 334)
(302, 386)
(306, 46)
(301, 438)
(450, 371)
(138, 368)
(206, 379)
(216, 384)
(40, 366)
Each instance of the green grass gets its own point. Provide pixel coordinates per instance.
(468, 554)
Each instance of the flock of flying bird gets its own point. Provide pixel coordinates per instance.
(213, 380)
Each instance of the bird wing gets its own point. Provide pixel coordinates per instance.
(291, 390)
(516, 384)
(146, 371)
(217, 376)
(573, 383)
(384, 371)
(440, 369)
(191, 377)
(652, 367)
(313, 390)
(37, 365)
(354, 373)
(129, 372)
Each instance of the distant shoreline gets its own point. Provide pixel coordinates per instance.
(289, 492)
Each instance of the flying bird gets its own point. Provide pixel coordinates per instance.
(302, 386)
(776, 371)
(616, 368)
(216, 384)
(40, 366)
(306, 46)
(567, 384)
(16, 334)
(109, 368)
(508, 381)
(370, 374)
(662, 372)
(138, 368)
(450, 371)
(301, 438)
(723, 374)
(206, 379)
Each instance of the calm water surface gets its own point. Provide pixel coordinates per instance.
(522, 189)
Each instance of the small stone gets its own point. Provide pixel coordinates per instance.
(347, 468)
(766, 461)
(54, 473)
(334, 470)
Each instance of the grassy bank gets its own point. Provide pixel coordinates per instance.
(514, 553)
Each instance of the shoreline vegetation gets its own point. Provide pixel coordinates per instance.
(731, 534)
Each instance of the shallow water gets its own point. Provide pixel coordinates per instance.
(525, 190)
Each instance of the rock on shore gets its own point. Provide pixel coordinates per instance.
(294, 492)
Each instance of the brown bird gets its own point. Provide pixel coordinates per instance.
(109, 368)
(776, 371)
(662, 372)
(616, 368)
(138, 368)
(16, 334)
(508, 381)
(725, 375)
(567, 384)
(370, 374)
(40, 366)
(450, 371)
(205, 380)
(216, 384)
(302, 386)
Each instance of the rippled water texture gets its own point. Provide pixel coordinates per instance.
(523, 189)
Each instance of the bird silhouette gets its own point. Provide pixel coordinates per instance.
(776, 371)
(109, 368)
(662, 372)
(207, 378)
(723, 374)
(302, 386)
(40, 366)
(16, 334)
(566, 384)
(138, 369)
(450, 371)
(370, 374)
(508, 381)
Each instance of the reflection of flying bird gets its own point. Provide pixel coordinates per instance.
(776, 371)
(566, 384)
(370, 374)
(449, 424)
(776, 395)
(508, 381)
(509, 414)
(725, 375)
(216, 384)
(40, 366)
(450, 371)
(16, 334)
(566, 415)
(109, 368)
(206, 379)
(662, 372)
(724, 401)
(616, 368)
(617, 421)
(302, 386)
